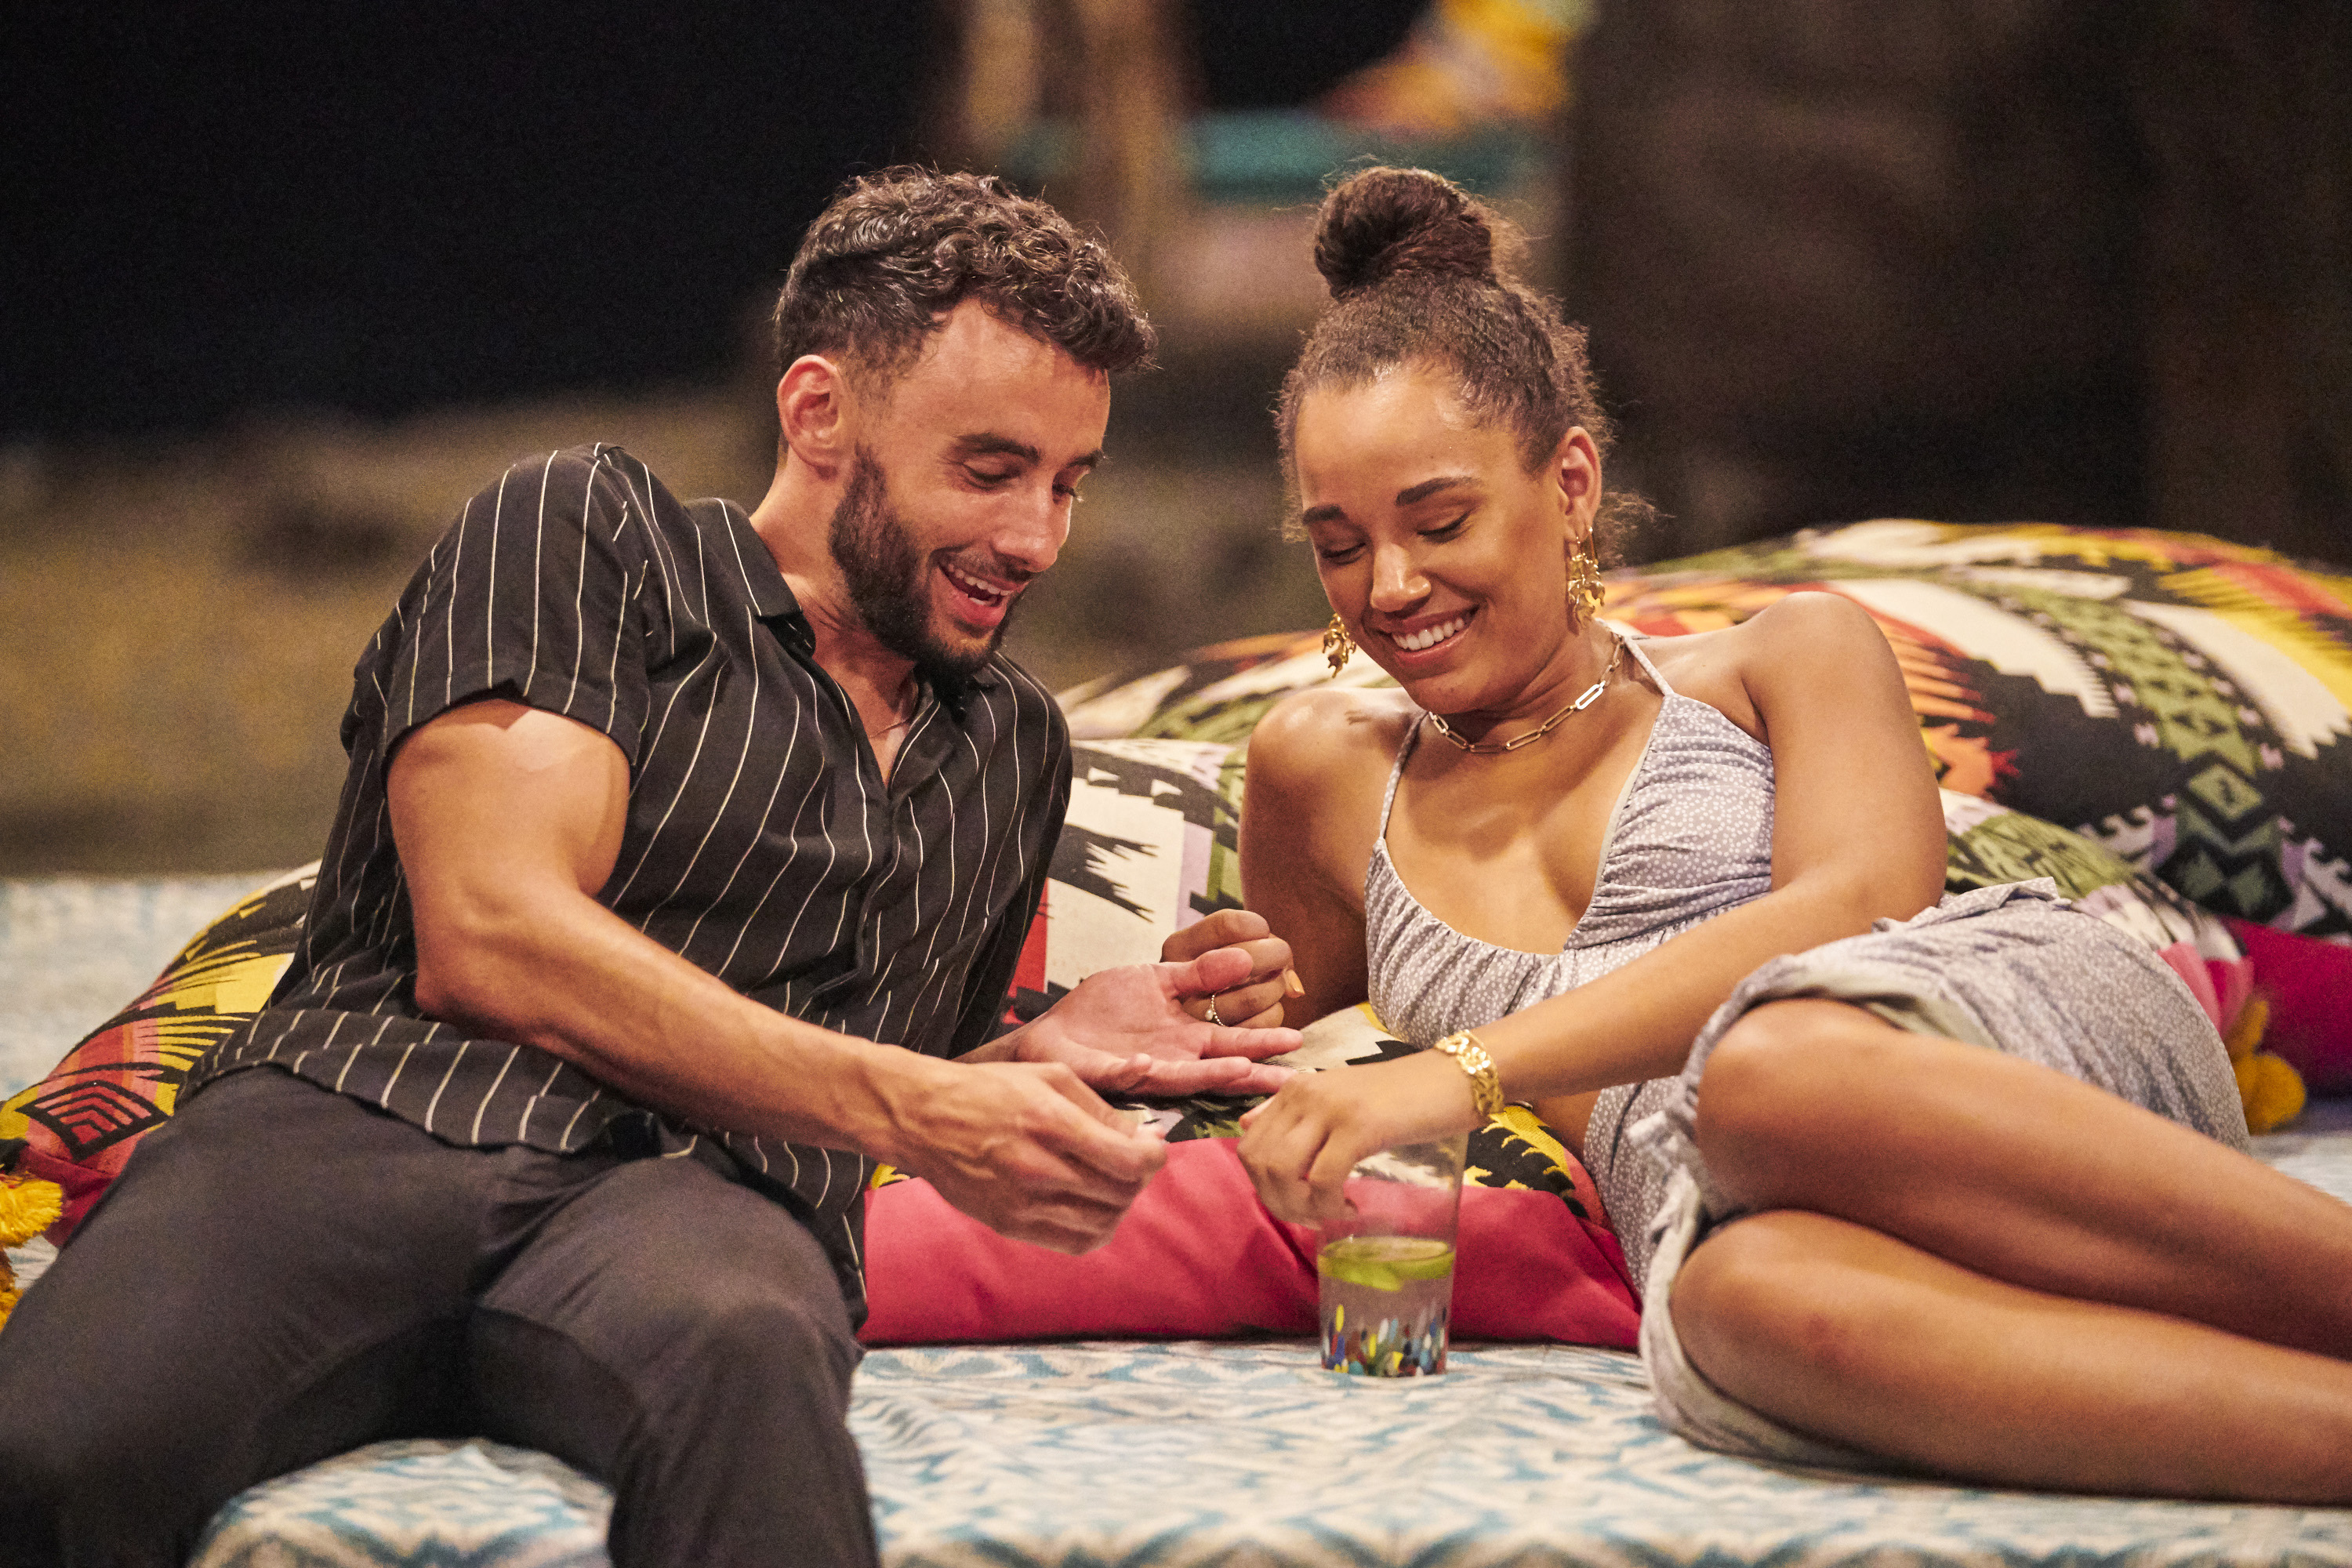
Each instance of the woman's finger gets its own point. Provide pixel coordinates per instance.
(1284, 1152)
(1269, 957)
(1223, 928)
(1245, 1007)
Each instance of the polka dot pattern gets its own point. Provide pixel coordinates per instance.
(1690, 837)
(2011, 966)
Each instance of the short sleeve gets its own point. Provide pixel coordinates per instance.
(987, 983)
(535, 595)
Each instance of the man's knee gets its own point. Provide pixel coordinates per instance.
(80, 1492)
(747, 1340)
(715, 1405)
(738, 1309)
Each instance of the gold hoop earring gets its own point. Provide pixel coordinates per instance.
(1585, 590)
(1337, 646)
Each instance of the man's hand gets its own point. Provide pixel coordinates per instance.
(1256, 1002)
(1129, 1029)
(1027, 1149)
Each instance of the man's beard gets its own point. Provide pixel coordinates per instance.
(890, 580)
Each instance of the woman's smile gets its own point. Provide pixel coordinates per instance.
(1430, 635)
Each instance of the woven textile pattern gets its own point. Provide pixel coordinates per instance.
(1089, 1456)
(2185, 701)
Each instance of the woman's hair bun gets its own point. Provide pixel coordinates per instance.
(1387, 223)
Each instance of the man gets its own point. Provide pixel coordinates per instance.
(679, 852)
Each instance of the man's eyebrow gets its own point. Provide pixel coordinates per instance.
(989, 443)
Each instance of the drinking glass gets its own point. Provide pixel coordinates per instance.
(1387, 1270)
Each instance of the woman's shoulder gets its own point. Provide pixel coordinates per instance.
(1733, 668)
(1333, 728)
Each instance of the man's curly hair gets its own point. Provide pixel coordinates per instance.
(897, 249)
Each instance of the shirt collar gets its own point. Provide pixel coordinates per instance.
(780, 611)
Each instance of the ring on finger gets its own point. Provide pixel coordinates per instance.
(1211, 1013)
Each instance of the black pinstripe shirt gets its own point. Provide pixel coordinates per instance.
(762, 842)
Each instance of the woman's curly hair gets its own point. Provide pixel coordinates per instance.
(1422, 272)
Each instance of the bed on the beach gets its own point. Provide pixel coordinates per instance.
(2048, 666)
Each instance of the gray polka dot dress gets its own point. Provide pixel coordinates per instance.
(2014, 968)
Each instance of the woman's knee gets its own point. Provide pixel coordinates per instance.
(1756, 1298)
(1789, 1075)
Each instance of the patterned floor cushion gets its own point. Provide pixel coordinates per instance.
(1189, 1455)
(77, 1125)
(2185, 701)
(421, 1503)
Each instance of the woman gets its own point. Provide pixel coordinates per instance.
(1685, 894)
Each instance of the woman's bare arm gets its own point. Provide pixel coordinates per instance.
(1310, 815)
(1857, 836)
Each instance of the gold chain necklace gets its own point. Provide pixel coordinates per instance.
(1584, 699)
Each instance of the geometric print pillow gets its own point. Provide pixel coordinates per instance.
(77, 1126)
(2185, 702)
(1150, 846)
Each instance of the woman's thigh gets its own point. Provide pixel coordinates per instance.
(2016, 1170)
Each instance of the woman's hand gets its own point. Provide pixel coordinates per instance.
(1255, 1001)
(1132, 1030)
(1299, 1146)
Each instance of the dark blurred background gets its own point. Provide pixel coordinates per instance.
(284, 286)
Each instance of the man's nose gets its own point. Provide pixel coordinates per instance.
(1032, 536)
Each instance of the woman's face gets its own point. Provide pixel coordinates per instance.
(1442, 554)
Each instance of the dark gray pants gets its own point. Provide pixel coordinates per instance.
(282, 1274)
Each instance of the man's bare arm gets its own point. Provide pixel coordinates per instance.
(509, 820)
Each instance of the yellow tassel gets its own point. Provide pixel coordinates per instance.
(27, 1208)
(9, 1294)
(2246, 1031)
(2270, 1088)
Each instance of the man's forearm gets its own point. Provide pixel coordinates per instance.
(554, 969)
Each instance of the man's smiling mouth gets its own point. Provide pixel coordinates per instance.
(980, 592)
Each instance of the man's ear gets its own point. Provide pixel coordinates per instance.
(817, 411)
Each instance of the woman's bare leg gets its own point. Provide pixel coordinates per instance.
(1853, 1335)
(2018, 1172)
(1980, 1266)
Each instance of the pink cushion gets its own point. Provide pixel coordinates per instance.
(2308, 984)
(1199, 1258)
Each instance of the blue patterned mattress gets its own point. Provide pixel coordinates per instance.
(1173, 1454)
(1090, 1455)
